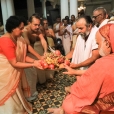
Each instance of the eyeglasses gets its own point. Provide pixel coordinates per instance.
(96, 16)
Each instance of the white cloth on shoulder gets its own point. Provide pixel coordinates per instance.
(104, 23)
(67, 38)
(83, 50)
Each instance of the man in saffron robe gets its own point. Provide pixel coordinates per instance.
(95, 88)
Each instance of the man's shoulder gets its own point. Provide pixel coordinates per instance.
(55, 24)
(26, 29)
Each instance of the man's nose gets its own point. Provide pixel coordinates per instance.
(78, 30)
(37, 26)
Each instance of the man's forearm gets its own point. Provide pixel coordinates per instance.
(85, 63)
(79, 72)
(69, 55)
(44, 44)
(91, 60)
(32, 51)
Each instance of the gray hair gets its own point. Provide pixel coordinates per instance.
(101, 9)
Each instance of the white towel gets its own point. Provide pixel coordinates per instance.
(104, 23)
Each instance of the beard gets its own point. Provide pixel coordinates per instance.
(102, 51)
(85, 34)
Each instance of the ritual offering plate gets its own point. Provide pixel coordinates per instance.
(54, 61)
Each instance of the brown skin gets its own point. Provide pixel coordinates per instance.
(32, 33)
(48, 31)
(63, 27)
(72, 72)
(69, 55)
(63, 30)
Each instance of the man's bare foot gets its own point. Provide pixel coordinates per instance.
(67, 89)
(55, 110)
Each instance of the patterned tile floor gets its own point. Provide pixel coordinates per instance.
(51, 94)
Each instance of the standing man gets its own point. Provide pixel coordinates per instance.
(86, 50)
(49, 33)
(74, 30)
(66, 32)
(32, 34)
(100, 16)
(56, 28)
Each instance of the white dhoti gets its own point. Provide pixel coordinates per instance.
(66, 45)
(34, 75)
(67, 38)
(38, 47)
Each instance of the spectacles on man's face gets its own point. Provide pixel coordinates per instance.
(96, 16)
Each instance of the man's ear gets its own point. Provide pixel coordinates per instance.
(107, 43)
(89, 26)
(106, 47)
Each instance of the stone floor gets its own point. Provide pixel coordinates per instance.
(52, 93)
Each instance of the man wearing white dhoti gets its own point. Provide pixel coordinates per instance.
(66, 32)
(74, 30)
(56, 28)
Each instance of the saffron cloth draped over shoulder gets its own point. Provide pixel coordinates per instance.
(107, 31)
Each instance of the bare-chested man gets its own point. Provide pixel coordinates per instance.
(32, 34)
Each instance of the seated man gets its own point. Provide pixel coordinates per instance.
(95, 88)
(86, 50)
